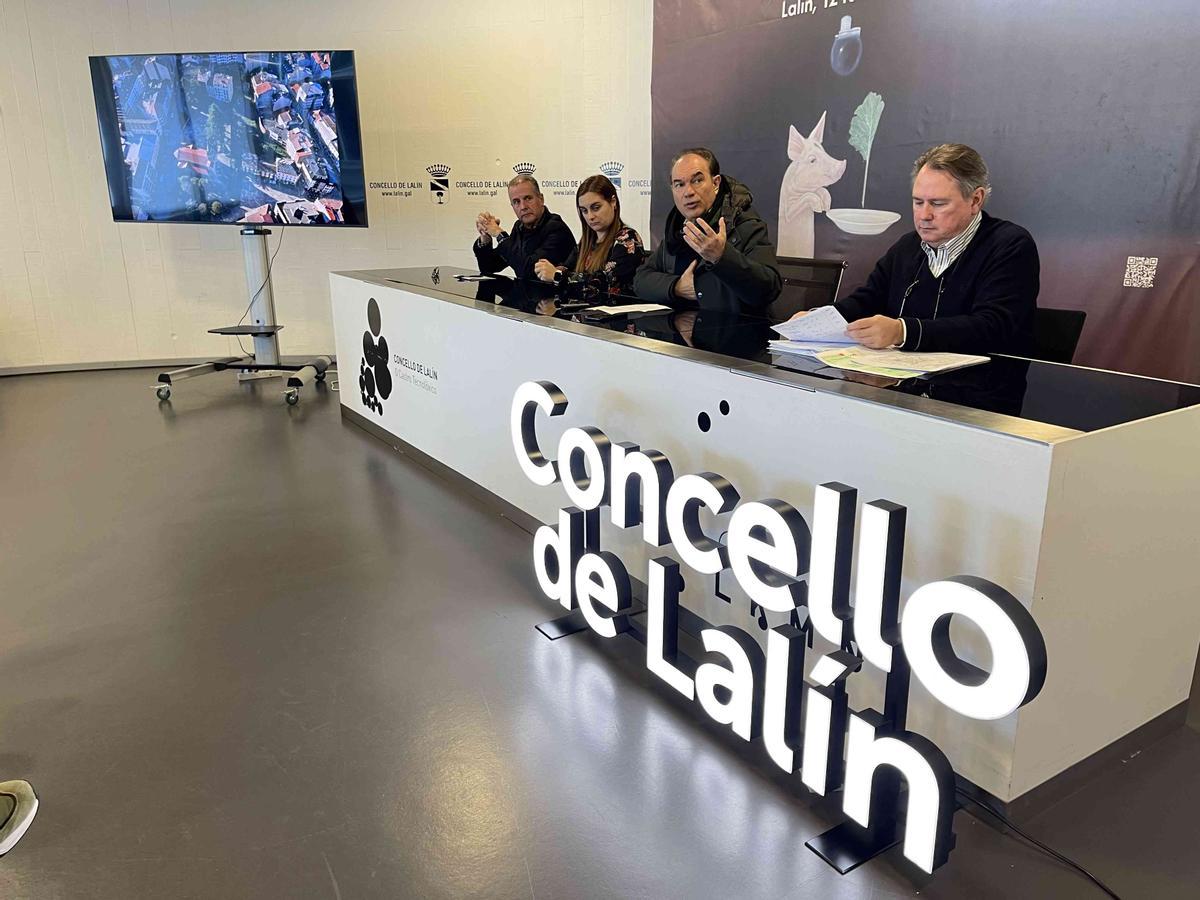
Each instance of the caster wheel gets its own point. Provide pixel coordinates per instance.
(320, 377)
(292, 397)
(164, 392)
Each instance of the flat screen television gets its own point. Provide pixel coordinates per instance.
(267, 138)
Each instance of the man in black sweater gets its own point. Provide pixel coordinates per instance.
(963, 282)
(537, 233)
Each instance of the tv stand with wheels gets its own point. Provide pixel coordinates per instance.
(263, 329)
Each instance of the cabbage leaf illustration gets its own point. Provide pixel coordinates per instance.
(862, 132)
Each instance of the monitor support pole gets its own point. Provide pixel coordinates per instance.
(262, 329)
(261, 297)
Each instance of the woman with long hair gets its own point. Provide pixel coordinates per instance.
(607, 246)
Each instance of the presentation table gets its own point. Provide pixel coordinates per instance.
(1073, 489)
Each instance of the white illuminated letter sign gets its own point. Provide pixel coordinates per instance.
(774, 583)
(741, 680)
(829, 569)
(930, 781)
(557, 553)
(684, 500)
(528, 399)
(877, 591)
(825, 720)
(630, 469)
(601, 579)
(1018, 649)
(784, 568)
(662, 625)
(781, 696)
(586, 487)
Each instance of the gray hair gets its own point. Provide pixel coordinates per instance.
(520, 179)
(961, 163)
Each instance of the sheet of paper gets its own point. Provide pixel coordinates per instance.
(824, 324)
(925, 362)
(854, 359)
(896, 363)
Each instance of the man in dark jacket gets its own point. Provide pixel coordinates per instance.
(716, 264)
(537, 233)
(963, 281)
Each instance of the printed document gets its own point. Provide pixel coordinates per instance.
(824, 325)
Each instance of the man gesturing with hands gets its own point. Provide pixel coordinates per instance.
(716, 263)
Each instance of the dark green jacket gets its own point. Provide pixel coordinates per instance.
(744, 280)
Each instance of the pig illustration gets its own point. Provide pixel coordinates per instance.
(803, 193)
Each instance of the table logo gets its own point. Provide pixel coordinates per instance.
(374, 379)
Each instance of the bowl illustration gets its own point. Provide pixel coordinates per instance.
(863, 221)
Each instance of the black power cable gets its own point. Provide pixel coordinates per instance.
(254, 296)
(1044, 848)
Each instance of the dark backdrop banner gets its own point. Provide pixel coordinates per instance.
(1086, 113)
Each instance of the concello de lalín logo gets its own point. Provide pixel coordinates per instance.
(783, 566)
(374, 379)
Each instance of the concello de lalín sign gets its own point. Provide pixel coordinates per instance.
(760, 695)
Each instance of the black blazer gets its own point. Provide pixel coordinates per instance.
(549, 239)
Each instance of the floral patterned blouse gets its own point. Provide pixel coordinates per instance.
(624, 258)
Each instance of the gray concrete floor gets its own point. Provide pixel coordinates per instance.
(250, 651)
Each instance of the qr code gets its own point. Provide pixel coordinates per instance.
(1139, 271)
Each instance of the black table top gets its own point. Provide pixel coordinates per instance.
(1068, 397)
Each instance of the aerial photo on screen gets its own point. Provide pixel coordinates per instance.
(229, 137)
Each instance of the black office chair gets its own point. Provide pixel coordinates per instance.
(1056, 333)
(807, 284)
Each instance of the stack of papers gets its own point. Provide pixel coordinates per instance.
(804, 348)
(888, 363)
(821, 335)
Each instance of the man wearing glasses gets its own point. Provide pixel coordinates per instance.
(963, 281)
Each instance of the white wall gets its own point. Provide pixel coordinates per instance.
(478, 86)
